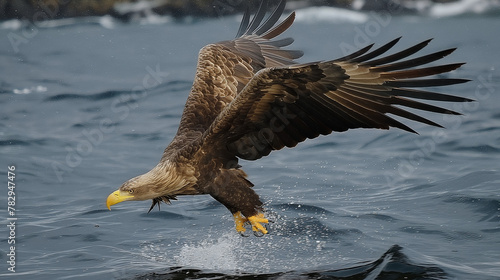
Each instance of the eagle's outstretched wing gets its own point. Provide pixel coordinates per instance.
(226, 67)
(283, 106)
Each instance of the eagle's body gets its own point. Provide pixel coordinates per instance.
(250, 97)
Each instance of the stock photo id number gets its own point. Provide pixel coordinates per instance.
(11, 219)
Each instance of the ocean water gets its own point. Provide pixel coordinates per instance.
(87, 104)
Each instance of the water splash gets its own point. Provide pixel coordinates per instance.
(208, 253)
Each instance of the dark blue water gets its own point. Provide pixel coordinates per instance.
(87, 105)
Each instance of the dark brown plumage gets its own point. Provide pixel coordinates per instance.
(250, 97)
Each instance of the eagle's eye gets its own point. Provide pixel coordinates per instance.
(130, 191)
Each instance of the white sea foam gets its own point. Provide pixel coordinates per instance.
(463, 7)
(105, 21)
(330, 14)
(12, 24)
(30, 90)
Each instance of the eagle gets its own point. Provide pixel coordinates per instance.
(250, 97)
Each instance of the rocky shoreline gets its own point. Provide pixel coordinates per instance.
(41, 10)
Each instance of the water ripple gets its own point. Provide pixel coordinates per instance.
(302, 208)
(172, 86)
(488, 207)
(313, 228)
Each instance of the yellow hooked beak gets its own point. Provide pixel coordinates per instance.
(117, 197)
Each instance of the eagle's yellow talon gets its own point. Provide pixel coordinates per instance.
(256, 220)
(240, 221)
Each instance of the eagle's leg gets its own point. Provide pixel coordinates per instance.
(232, 189)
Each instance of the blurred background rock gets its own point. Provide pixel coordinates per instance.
(40, 10)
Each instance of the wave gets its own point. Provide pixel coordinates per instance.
(393, 264)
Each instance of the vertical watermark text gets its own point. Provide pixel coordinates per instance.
(11, 219)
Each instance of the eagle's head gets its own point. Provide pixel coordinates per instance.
(160, 184)
(142, 187)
